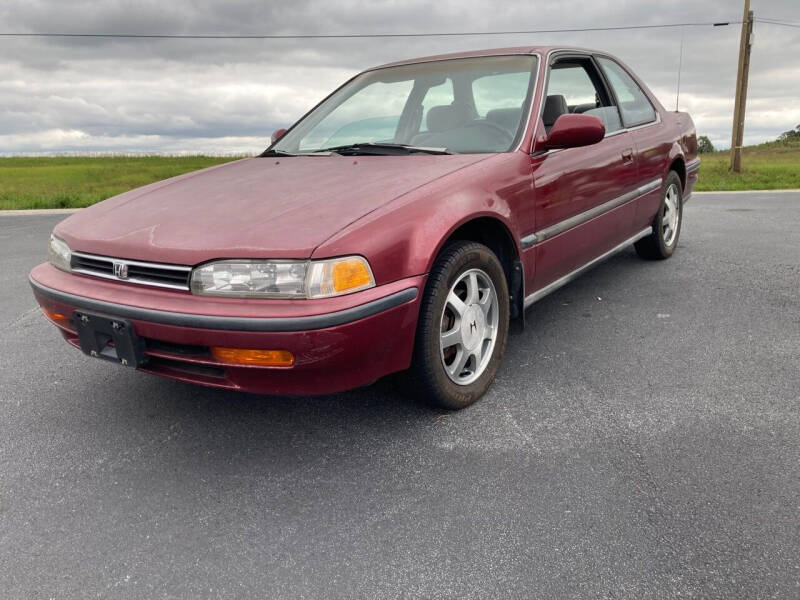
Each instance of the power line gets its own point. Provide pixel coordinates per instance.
(172, 36)
(777, 22)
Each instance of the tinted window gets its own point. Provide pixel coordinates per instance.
(375, 129)
(633, 103)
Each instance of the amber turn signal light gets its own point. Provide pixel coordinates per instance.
(54, 316)
(245, 356)
(349, 274)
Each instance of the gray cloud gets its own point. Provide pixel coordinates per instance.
(228, 95)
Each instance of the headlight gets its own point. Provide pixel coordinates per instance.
(282, 279)
(251, 278)
(60, 254)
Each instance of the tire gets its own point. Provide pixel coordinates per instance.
(455, 375)
(661, 244)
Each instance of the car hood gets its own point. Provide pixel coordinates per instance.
(256, 208)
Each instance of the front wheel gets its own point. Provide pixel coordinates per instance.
(661, 243)
(463, 326)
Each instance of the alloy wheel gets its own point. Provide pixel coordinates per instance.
(469, 326)
(671, 218)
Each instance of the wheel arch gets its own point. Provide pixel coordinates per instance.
(678, 164)
(491, 231)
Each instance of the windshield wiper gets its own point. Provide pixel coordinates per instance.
(277, 153)
(379, 148)
(274, 152)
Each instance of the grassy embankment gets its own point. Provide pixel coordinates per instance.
(769, 166)
(69, 182)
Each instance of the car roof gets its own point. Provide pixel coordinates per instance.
(543, 50)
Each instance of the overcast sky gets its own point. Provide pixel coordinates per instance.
(225, 96)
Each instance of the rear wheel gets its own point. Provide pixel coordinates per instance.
(463, 326)
(661, 243)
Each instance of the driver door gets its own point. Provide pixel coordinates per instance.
(579, 193)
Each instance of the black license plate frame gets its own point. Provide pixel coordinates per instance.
(109, 338)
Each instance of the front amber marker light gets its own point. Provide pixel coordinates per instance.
(55, 316)
(349, 274)
(245, 356)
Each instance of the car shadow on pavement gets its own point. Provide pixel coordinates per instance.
(391, 395)
(367, 419)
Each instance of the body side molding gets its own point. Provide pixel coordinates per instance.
(579, 219)
(551, 287)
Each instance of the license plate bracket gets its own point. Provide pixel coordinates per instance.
(109, 338)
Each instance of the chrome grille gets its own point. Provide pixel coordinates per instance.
(174, 277)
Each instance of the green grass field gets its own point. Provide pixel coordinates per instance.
(770, 166)
(71, 182)
(76, 181)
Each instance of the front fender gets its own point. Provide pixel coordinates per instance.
(404, 237)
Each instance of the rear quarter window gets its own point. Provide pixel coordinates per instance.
(633, 102)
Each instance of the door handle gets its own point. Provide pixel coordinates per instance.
(627, 156)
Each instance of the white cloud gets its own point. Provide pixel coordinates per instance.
(228, 96)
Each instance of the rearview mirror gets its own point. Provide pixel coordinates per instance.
(278, 134)
(574, 130)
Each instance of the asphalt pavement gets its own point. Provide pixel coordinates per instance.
(641, 441)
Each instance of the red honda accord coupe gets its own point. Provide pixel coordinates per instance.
(401, 224)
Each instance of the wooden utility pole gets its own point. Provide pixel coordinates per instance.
(741, 88)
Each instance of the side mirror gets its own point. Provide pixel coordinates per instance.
(278, 134)
(574, 130)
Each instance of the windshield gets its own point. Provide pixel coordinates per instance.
(467, 105)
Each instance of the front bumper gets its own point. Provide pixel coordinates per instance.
(338, 343)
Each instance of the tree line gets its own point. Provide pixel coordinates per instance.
(704, 144)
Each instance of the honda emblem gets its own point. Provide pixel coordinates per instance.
(120, 270)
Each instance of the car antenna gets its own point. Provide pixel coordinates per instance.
(680, 65)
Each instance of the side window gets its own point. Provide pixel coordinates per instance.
(437, 95)
(573, 82)
(572, 87)
(633, 103)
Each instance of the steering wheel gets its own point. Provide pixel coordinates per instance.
(495, 129)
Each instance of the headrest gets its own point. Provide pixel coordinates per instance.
(507, 118)
(554, 107)
(446, 116)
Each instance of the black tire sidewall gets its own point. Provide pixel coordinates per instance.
(454, 260)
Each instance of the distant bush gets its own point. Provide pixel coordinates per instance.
(704, 145)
